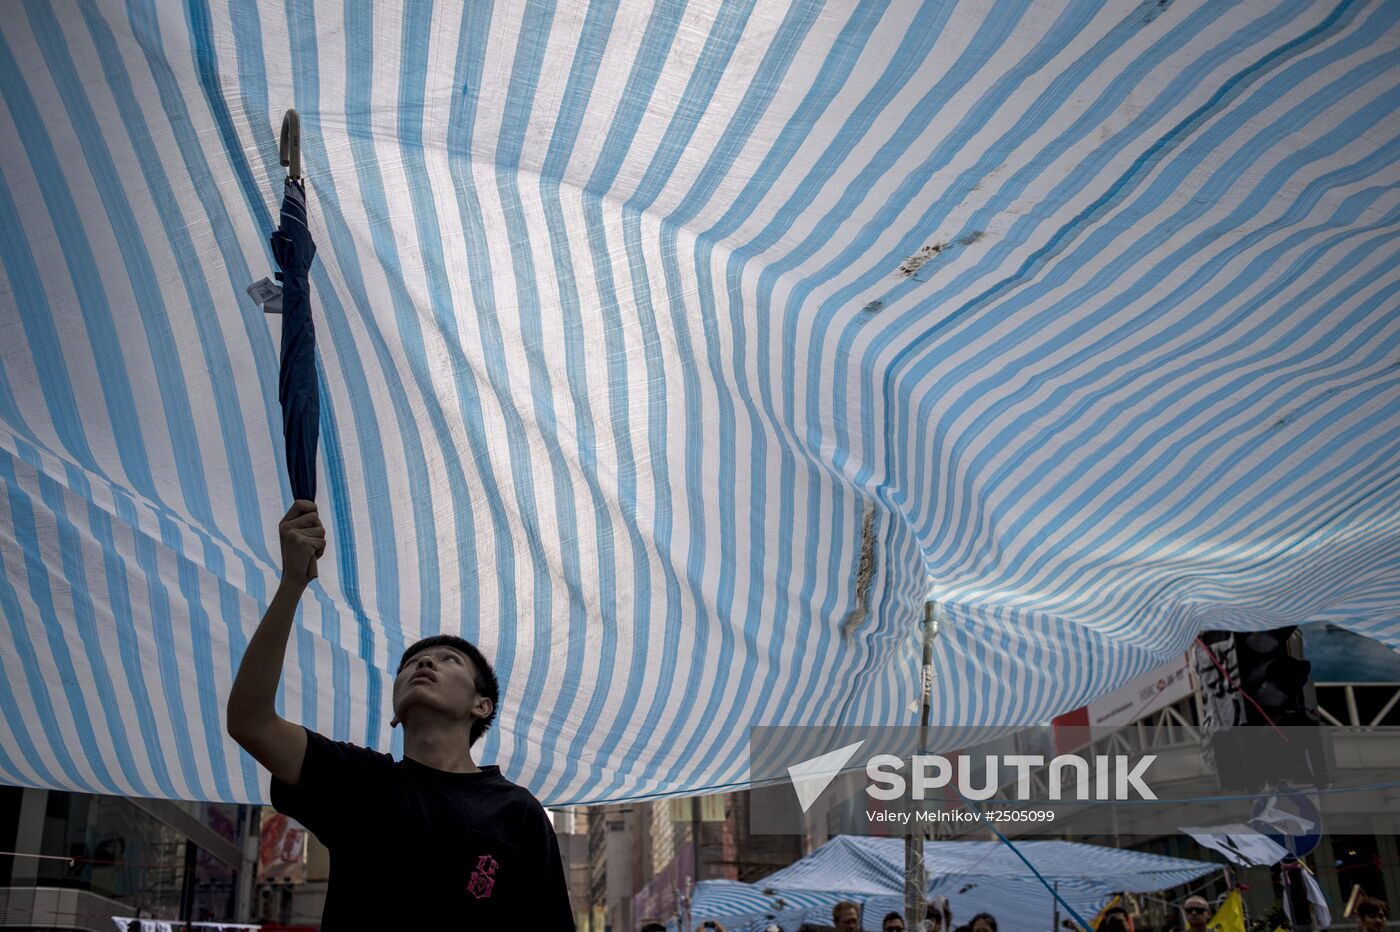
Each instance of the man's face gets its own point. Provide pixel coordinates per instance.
(1197, 912)
(893, 924)
(441, 678)
(848, 921)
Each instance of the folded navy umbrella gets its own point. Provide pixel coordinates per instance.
(298, 390)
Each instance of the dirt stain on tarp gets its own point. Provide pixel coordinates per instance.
(865, 572)
(1155, 8)
(918, 259)
(926, 254)
(1292, 415)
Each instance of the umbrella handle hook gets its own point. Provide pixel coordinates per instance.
(289, 148)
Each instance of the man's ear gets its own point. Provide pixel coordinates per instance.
(483, 707)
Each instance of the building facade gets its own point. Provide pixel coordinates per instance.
(81, 859)
(644, 857)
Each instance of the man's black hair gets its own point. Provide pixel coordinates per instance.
(1115, 918)
(991, 920)
(486, 683)
(889, 916)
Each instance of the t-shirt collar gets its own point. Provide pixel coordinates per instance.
(490, 772)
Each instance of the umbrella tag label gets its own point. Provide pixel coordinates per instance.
(268, 295)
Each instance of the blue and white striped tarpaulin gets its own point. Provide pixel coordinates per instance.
(743, 906)
(676, 352)
(876, 865)
(975, 876)
(1018, 905)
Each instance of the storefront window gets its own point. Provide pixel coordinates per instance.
(222, 818)
(215, 885)
(215, 882)
(118, 851)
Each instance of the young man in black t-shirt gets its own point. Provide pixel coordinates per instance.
(429, 842)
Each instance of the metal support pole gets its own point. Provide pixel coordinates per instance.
(695, 832)
(187, 882)
(915, 878)
(915, 874)
(246, 906)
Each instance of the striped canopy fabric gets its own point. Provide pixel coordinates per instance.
(1018, 905)
(975, 876)
(744, 906)
(676, 352)
(857, 864)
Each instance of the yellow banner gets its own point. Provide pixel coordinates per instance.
(1230, 916)
(1117, 899)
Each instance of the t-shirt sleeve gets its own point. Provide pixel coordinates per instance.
(555, 911)
(337, 780)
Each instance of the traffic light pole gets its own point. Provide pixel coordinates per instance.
(1263, 682)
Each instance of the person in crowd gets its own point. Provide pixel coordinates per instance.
(893, 922)
(938, 916)
(1197, 909)
(1371, 915)
(845, 916)
(983, 922)
(470, 849)
(1116, 920)
(653, 927)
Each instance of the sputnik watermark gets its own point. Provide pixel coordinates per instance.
(895, 780)
(1115, 777)
(961, 815)
(1068, 776)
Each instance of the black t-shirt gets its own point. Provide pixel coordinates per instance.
(413, 847)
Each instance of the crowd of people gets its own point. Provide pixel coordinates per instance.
(846, 916)
(938, 917)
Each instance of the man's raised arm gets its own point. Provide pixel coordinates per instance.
(253, 721)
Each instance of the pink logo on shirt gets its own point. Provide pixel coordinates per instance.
(483, 878)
